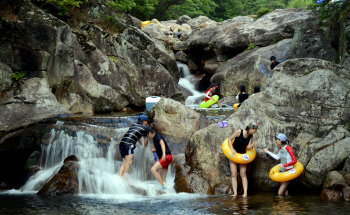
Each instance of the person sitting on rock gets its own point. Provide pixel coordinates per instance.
(287, 157)
(128, 144)
(256, 90)
(274, 62)
(243, 141)
(164, 155)
(242, 96)
(209, 94)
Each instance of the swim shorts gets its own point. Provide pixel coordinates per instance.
(166, 163)
(126, 149)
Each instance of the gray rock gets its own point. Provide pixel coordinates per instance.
(238, 19)
(310, 41)
(250, 68)
(185, 35)
(183, 19)
(181, 56)
(234, 36)
(197, 22)
(346, 167)
(192, 66)
(309, 116)
(31, 102)
(154, 31)
(5, 77)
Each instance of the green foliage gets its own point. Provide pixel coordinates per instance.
(276, 39)
(251, 46)
(144, 9)
(125, 5)
(307, 72)
(325, 10)
(168, 47)
(108, 22)
(347, 126)
(262, 11)
(66, 5)
(300, 3)
(18, 75)
(212, 44)
(112, 59)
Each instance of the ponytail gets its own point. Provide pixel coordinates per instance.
(285, 142)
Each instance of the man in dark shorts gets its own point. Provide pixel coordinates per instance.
(164, 155)
(128, 144)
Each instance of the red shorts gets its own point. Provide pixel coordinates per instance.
(166, 163)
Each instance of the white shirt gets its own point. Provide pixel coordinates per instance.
(278, 156)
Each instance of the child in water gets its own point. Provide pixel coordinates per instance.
(209, 94)
(287, 157)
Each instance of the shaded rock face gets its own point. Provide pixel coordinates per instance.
(174, 120)
(5, 78)
(234, 36)
(250, 68)
(40, 44)
(65, 182)
(311, 117)
(30, 102)
(181, 56)
(310, 41)
(335, 187)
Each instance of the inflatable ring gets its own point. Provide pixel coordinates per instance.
(145, 23)
(206, 104)
(235, 106)
(278, 176)
(248, 157)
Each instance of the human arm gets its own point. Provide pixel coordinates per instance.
(146, 142)
(251, 144)
(232, 137)
(162, 145)
(276, 157)
(207, 95)
(291, 153)
(237, 97)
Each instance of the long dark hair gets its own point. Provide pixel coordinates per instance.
(285, 142)
(242, 88)
(256, 89)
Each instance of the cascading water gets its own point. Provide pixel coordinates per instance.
(188, 82)
(99, 167)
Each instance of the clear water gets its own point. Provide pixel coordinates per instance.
(12, 202)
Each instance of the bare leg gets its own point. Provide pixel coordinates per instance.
(243, 173)
(163, 173)
(154, 171)
(121, 169)
(283, 188)
(286, 193)
(233, 167)
(219, 104)
(128, 162)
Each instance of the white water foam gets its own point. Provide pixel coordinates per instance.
(98, 176)
(188, 83)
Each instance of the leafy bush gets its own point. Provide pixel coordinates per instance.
(125, 5)
(325, 10)
(262, 11)
(18, 75)
(300, 3)
(65, 5)
(251, 46)
(109, 23)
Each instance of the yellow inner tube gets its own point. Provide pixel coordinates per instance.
(248, 157)
(235, 106)
(145, 23)
(209, 102)
(278, 176)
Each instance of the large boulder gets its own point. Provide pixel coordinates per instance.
(310, 41)
(201, 20)
(65, 182)
(174, 120)
(154, 31)
(5, 78)
(335, 188)
(233, 36)
(183, 19)
(309, 116)
(31, 101)
(238, 19)
(181, 56)
(250, 68)
(39, 44)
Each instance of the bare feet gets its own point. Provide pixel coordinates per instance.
(234, 195)
(245, 195)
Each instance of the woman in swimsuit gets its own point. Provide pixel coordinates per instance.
(243, 141)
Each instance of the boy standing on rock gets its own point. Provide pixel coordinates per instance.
(164, 155)
(128, 144)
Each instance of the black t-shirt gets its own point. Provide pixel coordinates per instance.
(242, 97)
(240, 144)
(272, 66)
(135, 132)
(156, 140)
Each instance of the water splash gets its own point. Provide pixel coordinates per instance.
(188, 83)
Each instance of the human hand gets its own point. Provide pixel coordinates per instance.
(280, 166)
(266, 150)
(213, 99)
(163, 158)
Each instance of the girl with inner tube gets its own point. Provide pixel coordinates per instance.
(287, 157)
(209, 94)
(243, 141)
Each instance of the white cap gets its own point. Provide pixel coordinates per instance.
(281, 137)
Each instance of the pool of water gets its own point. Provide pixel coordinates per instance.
(14, 202)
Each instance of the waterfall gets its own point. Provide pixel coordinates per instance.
(188, 82)
(99, 166)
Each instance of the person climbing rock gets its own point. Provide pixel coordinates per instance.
(209, 94)
(274, 62)
(242, 96)
(128, 144)
(243, 141)
(164, 155)
(287, 157)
